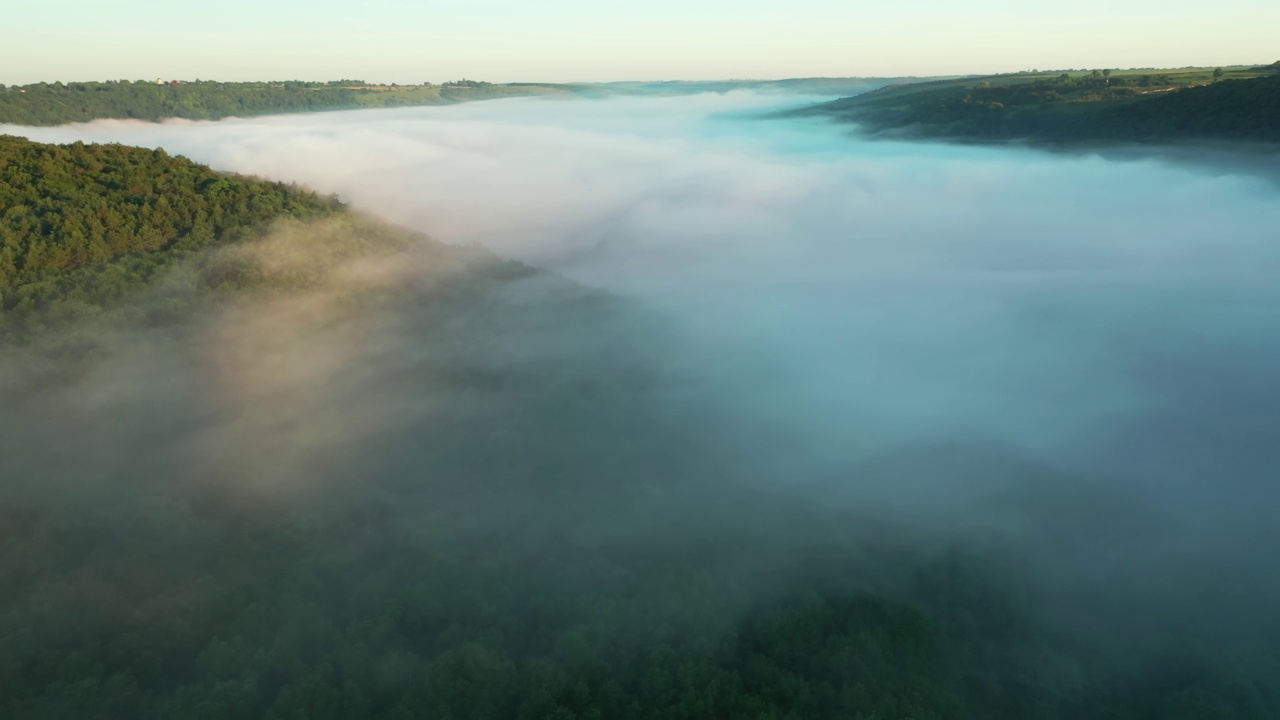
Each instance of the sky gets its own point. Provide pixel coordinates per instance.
(575, 40)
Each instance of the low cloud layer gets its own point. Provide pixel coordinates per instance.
(1048, 300)
(919, 326)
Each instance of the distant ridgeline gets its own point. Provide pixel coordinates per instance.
(82, 224)
(1240, 104)
(58, 103)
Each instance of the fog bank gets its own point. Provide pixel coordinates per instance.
(864, 291)
(1061, 357)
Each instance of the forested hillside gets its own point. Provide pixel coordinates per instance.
(58, 103)
(83, 224)
(1099, 107)
(310, 466)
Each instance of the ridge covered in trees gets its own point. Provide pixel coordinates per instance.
(81, 224)
(527, 533)
(58, 103)
(1100, 106)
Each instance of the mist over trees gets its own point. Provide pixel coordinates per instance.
(311, 466)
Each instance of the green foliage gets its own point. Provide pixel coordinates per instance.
(81, 225)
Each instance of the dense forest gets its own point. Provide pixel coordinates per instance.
(292, 463)
(1094, 107)
(58, 103)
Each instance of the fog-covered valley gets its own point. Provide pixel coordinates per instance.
(879, 291)
(1030, 393)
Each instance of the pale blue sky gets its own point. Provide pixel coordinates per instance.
(576, 40)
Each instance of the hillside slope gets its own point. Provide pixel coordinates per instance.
(1073, 110)
(82, 224)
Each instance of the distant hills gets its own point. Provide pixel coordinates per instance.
(1101, 106)
(799, 86)
(1133, 106)
(59, 103)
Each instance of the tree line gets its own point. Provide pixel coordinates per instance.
(58, 103)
